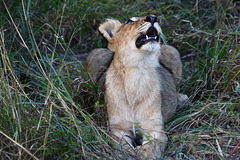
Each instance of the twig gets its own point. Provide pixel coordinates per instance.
(235, 149)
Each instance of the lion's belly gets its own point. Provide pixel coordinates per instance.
(168, 94)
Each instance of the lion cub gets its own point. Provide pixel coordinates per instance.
(139, 77)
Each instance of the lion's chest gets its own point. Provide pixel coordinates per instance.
(133, 82)
(140, 83)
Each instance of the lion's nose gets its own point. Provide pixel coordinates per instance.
(151, 19)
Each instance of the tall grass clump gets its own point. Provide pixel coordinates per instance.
(39, 117)
(52, 109)
(209, 127)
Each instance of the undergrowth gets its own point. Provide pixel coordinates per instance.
(51, 108)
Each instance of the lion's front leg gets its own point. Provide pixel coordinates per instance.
(121, 132)
(154, 138)
(119, 117)
(154, 142)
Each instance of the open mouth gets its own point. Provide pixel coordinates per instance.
(150, 36)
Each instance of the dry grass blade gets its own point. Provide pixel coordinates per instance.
(219, 149)
(19, 145)
(235, 149)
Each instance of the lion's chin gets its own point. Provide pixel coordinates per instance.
(151, 47)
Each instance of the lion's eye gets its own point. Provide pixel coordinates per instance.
(129, 21)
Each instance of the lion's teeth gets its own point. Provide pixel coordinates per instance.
(147, 37)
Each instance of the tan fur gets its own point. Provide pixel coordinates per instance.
(170, 58)
(140, 83)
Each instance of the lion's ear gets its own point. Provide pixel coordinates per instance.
(109, 28)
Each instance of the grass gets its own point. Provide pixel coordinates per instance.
(51, 109)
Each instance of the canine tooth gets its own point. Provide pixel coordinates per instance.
(155, 37)
(146, 36)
